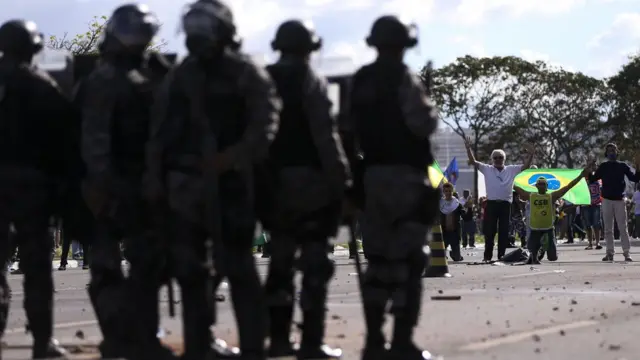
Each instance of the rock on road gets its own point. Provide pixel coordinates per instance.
(577, 307)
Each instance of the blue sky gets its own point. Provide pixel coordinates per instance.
(592, 36)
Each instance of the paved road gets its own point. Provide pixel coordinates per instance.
(577, 307)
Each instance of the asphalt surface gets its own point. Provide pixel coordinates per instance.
(577, 307)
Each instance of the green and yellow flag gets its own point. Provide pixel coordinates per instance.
(556, 179)
(436, 175)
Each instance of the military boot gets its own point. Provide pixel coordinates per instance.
(48, 350)
(221, 350)
(312, 346)
(411, 352)
(280, 347)
(402, 346)
(374, 348)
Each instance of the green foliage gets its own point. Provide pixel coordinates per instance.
(625, 114)
(504, 102)
(87, 43)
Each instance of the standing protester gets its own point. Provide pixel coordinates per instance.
(116, 100)
(591, 214)
(450, 219)
(309, 166)
(36, 119)
(499, 179)
(468, 220)
(612, 173)
(394, 119)
(541, 220)
(217, 115)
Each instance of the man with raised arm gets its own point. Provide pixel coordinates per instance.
(499, 183)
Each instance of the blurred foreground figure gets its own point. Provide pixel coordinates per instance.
(309, 171)
(216, 117)
(115, 100)
(35, 117)
(394, 120)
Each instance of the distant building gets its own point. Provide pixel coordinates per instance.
(447, 144)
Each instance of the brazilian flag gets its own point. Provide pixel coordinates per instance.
(556, 179)
(436, 175)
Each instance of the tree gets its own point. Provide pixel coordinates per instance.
(625, 114)
(477, 95)
(563, 113)
(87, 43)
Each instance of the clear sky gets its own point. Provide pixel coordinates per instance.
(592, 36)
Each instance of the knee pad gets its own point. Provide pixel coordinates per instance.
(279, 287)
(315, 263)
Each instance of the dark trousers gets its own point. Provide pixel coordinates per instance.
(108, 290)
(24, 201)
(66, 244)
(188, 255)
(498, 217)
(234, 260)
(468, 233)
(452, 239)
(534, 243)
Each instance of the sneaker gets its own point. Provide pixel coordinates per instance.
(598, 247)
(628, 258)
(589, 247)
(62, 268)
(608, 258)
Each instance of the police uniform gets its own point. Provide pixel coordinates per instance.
(310, 170)
(236, 122)
(394, 120)
(117, 98)
(35, 119)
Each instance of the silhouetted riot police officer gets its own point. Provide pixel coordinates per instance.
(35, 117)
(394, 120)
(310, 170)
(216, 117)
(116, 101)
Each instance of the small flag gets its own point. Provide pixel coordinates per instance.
(436, 175)
(452, 172)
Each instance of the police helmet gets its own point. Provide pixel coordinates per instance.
(133, 26)
(212, 20)
(390, 31)
(296, 36)
(20, 37)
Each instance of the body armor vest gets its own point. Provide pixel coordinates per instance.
(130, 122)
(293, 145)
(383, 135)
(225, 108)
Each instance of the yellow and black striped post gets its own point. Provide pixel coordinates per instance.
(438, 266)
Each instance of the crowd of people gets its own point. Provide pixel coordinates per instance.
(509, 208)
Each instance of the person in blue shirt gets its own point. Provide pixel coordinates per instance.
(612, 173)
